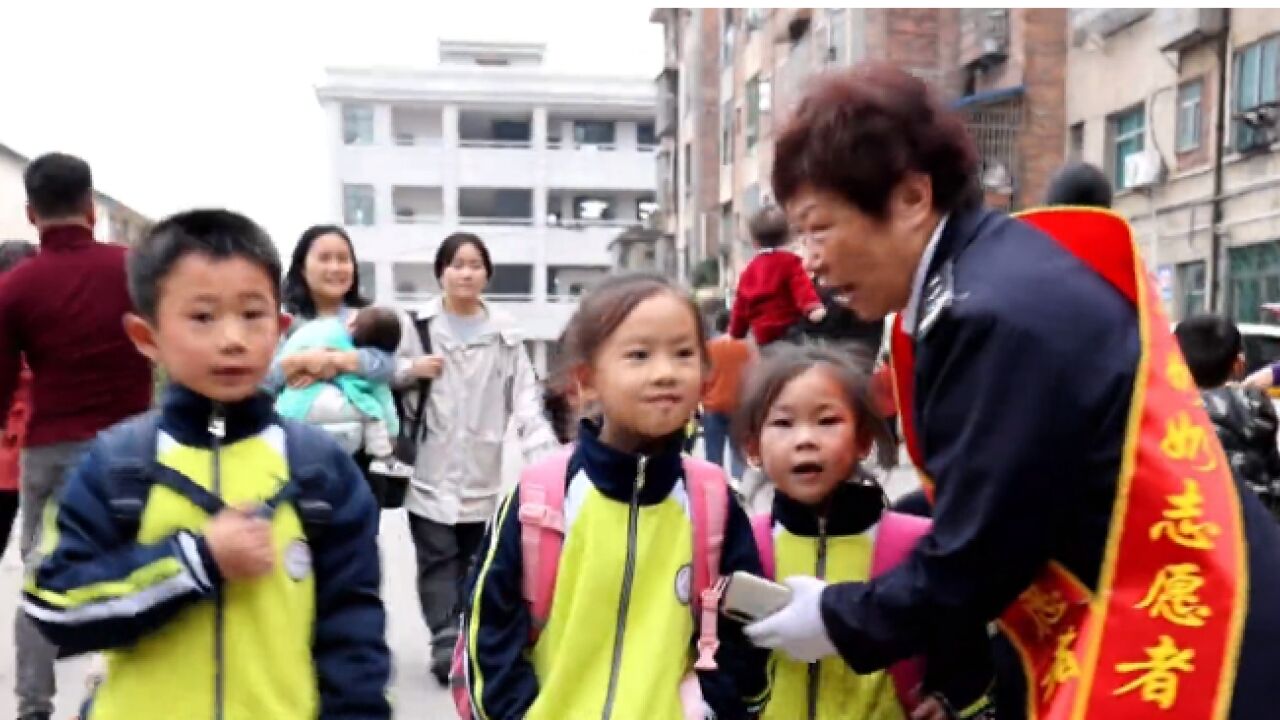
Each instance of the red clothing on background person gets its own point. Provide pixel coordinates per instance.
(15, 431)
(63, 310)
(773, 293)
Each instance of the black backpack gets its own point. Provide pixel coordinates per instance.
(132, 469)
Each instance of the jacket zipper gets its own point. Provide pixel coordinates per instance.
(815, 668)
(628, 575)
(218, 431)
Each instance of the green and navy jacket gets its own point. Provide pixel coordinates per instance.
(836, 543)
(304, 641)
(620, 635)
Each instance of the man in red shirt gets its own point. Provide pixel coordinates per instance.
(63, 310)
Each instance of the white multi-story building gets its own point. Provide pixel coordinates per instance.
(547, 168)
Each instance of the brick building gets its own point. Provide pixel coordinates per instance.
(1180, 105)
(752, 64)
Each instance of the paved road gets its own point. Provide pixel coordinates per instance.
(415, 694)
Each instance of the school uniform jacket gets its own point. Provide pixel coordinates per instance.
(838, 546)
(620, 635)
(303, 641)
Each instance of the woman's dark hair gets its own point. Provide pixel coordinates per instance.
(605, 307)
(452, 244)
(858, 132)
(13, 252)
(297, 295)
(783, 363)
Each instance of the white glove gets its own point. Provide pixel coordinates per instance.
(796, 629)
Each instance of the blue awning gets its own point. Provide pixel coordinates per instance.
(988, 97)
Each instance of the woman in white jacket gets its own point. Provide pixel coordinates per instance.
(485, 382)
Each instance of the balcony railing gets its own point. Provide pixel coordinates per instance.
(418, 140)
(476, 220)
(576, 223)
(419, 219)
(497, 144)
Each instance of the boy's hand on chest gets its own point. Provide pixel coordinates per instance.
(241, 543)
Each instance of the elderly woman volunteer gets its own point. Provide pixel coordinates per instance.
(1080, 495)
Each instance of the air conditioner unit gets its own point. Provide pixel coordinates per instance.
(1143, 169)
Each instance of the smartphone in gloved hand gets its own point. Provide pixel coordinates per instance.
(748, 598)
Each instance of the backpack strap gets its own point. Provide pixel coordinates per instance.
(541, 494)
(896, 536)
(762, 530)
(709, 506)
(131, 460)
(305, 448)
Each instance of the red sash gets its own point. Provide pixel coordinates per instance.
(1161, 637)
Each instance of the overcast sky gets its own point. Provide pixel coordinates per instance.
(183, 104)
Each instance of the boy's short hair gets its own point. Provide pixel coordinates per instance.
(376, 327)
(1079, 184)
(216, 234)
(1211, 344)
(58, 186)
(769, 228)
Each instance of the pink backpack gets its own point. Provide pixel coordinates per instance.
(896, 536)
(542, 487)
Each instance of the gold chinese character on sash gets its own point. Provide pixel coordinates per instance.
(1064, 666)
(1045, 608)
(1158, 681)
(1182, 521)
(1184, 440)
(1178, 374)
(1173, 596)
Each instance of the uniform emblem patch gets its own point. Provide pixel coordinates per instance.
(684, 584)
(297, 560)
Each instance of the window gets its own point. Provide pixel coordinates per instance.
(1075, 143)
(587, 207)
(645, 207)
(368, 285)
(1190, 279)
(726, 133)
(1128, 130)
(357, 125)
(593, 132)
(357, 204)
(837, 52)
(1189, 115)
(753, 111)
(726, 39)
(511, 280)
(645, 136)
(688, 170)
(1257, 83)
(1254, 279)
(755, 19)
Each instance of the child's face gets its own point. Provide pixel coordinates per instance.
(216, 327)
(808, 444)
(647, 376)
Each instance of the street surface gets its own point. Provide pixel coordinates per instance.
(415, 693)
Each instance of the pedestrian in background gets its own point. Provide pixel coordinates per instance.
(63, 310)
(729, 358)
(774, 294)
(15, 428)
